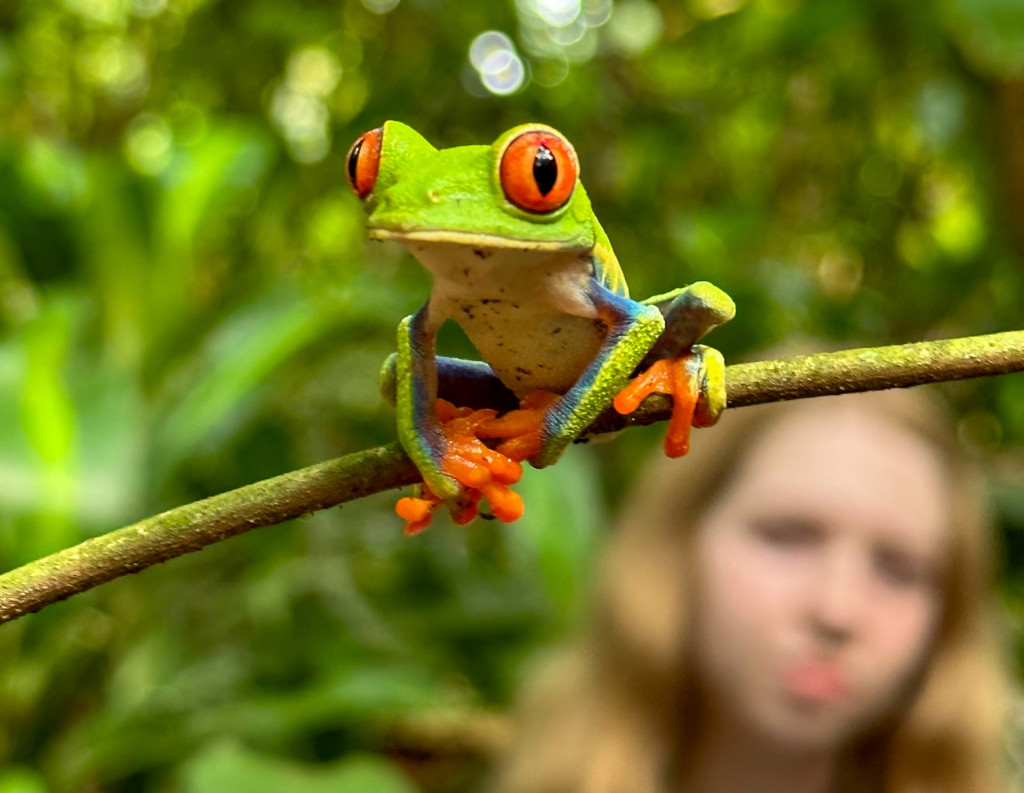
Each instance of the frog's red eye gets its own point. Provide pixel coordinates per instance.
(364, 160)
(538, 171)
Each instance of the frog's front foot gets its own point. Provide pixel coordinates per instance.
(477, 470)
(696, 383)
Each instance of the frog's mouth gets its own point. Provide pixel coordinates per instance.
(472, 239)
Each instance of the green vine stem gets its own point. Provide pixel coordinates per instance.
(194, 526)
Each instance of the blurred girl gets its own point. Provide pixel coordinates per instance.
(803, 604)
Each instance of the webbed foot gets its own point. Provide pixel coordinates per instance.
(480, 471)
(696, 383)
(520, 430)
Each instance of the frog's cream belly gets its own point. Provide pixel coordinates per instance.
(528, 349)
(527, 312)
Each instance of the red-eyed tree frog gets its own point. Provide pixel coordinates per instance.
(521, 263)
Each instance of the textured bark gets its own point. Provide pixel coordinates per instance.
(194, 526)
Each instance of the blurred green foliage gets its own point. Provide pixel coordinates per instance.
(187, 304)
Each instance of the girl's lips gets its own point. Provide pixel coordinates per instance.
(815, 681)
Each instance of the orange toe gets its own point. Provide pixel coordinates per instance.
(671, 376)
(506, 504)
(657, 378)
(527, 418)
(416, 512)
(521, 448)
(520, 429)
(446, 411)
(464, 469)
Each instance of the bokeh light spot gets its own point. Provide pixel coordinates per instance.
(597, 12)
(148, 144)
(556, 13)
(711, 9)
(840, 273)
(113, 64)
(298, 106)
(635, 26)
(568, 35)
(303, 120)
(505, 75)
(314, 71)
(105, 12)
(939, 111)
(550, 71)
(562, 29)
(485, 46)
(498, 65)
(380, 6)
(959, 229)
(980, 430)
(147, 9)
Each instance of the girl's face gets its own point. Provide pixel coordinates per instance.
(817, 576)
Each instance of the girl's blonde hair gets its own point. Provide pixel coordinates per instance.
(611, 715)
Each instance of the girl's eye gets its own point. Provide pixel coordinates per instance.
(899, 568)
(787, 531)
(538, 171)
(364, 160)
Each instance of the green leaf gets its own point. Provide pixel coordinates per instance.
(22, 780)
(48, 416)
(212, 395)
(228, 767)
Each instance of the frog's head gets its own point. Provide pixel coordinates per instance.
(521, 192)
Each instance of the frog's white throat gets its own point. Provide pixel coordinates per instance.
(549, 280)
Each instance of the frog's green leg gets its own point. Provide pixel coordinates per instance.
(632, 328)
(442, 440)
(419, 430)
(690, 313)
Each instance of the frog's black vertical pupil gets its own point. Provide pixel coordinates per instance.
(353, 160)
(545, 169)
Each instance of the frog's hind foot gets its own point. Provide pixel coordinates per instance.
(418, 511)
(696, 383)
(481, 471)
(519, 431)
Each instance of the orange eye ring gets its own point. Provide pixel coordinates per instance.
(538, 171)
(363, 161)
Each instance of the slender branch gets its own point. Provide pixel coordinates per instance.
(194, 526)
(847, 372)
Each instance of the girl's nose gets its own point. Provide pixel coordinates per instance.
(840, 599)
